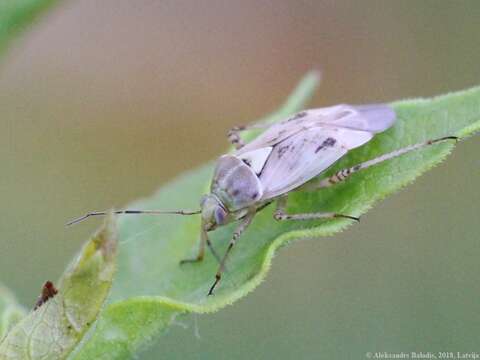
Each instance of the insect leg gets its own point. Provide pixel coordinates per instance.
(280, 213)
(236, 235)
(201, 251)
(343, 174)
(234, 133)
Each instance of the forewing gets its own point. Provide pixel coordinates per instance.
(305, 155)
(373, 118)
(273, 135)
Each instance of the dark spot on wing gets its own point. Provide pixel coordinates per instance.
(235, 192)
(298, 116)
(247, 162)
(342, 114)
(254, 195)
(328, 142)
(282, 150)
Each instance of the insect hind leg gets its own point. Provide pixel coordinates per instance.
(234, 133)
(280, 213)
(234, 137)
(343, 174)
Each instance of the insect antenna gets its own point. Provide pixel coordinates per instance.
(135, 212)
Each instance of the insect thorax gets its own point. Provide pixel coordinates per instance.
(235, 183)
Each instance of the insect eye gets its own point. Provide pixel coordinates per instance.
(220, 215)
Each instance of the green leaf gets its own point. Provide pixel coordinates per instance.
(151, 287)
(15, 15)
(11, 312)
(55, 328)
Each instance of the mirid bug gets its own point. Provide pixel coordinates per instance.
(288, 156)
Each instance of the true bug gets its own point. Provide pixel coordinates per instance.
(286, 157)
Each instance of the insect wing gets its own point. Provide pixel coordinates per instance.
(257, 158)
(305, 155)
(372, 118)
(309, 142)
(297, 159)
(273, 135)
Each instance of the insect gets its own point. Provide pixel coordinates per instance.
(48, 291)
(288, 156)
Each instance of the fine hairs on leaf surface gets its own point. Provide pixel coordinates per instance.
(151, 288)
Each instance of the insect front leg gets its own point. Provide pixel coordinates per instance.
(201, 250)
(236, 235)
(280, 213)
(343, 174)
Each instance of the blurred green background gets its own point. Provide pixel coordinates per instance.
(102, 102)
